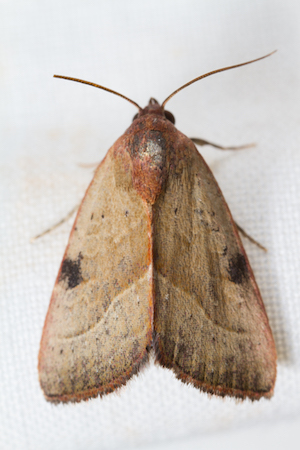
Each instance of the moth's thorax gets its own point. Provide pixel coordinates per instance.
(149, 143)
(150, 148)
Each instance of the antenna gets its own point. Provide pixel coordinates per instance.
(98, 86)
(212, 73)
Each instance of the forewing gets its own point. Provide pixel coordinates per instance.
(98, 325)
(210, 323)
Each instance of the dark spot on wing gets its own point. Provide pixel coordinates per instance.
(71, 272)
(237, 269)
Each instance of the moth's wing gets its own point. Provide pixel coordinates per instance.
(98, 324)
(210, 322)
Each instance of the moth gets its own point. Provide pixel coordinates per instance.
(155, 263)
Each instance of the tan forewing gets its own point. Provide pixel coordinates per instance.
(98, 324)
(210, 323)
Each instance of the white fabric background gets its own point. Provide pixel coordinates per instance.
(48, 126)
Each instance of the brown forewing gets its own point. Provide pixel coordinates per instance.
(210, 322)
(99, 321)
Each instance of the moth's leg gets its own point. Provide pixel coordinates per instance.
(246, 235)
(64, 219)
(88, 165)
(203, 142)
(56, 225)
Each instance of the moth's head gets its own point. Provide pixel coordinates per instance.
(154, 107)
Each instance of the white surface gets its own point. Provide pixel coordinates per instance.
(48, 126)
(259, 437)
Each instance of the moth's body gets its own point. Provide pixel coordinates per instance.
(154, 260)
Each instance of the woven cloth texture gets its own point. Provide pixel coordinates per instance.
(50, 127)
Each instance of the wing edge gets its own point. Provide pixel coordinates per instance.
(217, 390)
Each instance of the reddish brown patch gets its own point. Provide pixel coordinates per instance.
(149, 143)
